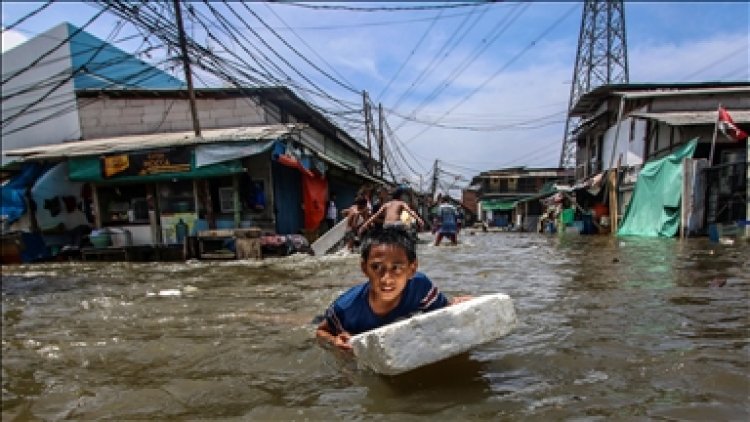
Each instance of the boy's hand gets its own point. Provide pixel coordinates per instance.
(459, 299)
(341, 341)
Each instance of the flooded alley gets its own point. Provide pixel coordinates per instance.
(608, 327)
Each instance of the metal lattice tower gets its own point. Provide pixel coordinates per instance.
(601, 59)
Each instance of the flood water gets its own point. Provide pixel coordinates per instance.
(609, 328)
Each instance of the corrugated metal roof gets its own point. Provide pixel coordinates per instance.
(692, 117)
(589, 101)
(156, 140)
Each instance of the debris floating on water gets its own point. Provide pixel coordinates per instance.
(165, 293)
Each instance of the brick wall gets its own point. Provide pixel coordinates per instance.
(470, 199)
(105, 117)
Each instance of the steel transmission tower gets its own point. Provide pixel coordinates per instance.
(601, 59)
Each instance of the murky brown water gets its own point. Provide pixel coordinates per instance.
(609, 328)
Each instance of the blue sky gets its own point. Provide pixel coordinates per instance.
(526, 95)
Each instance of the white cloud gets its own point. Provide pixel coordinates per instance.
(542, 87)
(710, 59)
(11, 39)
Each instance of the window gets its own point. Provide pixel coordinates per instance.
(226, 200)
(513, 185)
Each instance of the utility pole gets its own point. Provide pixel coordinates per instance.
(435, 172)
(601, 59)
(380, 137)
(366, 109)
(186, 66)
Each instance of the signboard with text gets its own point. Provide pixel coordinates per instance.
(146, 163)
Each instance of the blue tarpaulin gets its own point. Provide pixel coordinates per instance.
(13, 205)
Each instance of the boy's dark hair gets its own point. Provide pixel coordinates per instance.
(397, 193)
(360, 201)
(395, 236)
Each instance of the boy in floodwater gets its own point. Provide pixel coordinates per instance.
(394, 290)
(356, 216)
(392, 211)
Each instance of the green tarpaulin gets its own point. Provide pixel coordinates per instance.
(498, 205)
(654, 209)
(88, 169)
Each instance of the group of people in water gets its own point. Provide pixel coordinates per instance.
(391, 211)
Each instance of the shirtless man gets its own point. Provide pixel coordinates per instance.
(355, 215)
(392, 211)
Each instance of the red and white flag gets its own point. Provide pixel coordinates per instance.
(728, 128)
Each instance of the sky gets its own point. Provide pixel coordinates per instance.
(503, 69)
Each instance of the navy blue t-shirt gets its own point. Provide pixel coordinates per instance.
(351, 312)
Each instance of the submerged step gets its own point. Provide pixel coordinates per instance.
(433, 336)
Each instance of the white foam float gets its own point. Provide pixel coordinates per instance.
(427, 338)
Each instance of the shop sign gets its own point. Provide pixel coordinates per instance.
(146, 163)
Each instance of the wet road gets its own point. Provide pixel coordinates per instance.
(608, 328)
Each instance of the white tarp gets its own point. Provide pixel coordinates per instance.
(216, 153)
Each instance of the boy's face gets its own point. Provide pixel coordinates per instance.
(388, 269)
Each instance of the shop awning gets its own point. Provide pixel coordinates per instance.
(117, 144)
(206, 155)
(498, 205)
(89, 169)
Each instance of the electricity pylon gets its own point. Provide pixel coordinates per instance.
(601, 59)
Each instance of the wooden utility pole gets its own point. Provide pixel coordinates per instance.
(186, 66)
(368, 123)
(380, 137)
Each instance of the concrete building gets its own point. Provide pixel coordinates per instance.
(625, 126)
(118, 133)
(41, 77)
(499, 192)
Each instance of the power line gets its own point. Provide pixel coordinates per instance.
(383, 9)
(494, 128)
(8, 120)
(498, 30)
(44, 55)
(51, 79)
(744, 70)
(280, 56)
(414, 50)
(715, 62)
(366, 24)
(398, 149)
(502, 68)
(27, 16)
(202, 51)
(440, 55)
(211, 63)
(302, 56)
(74, 104)
(302, 40)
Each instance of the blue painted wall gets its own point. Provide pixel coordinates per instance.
(98, 64)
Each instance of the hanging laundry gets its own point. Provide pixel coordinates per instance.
(279, 148)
